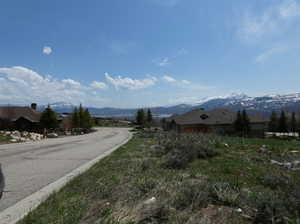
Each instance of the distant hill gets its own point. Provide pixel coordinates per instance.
(264, 104)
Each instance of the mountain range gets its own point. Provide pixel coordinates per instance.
(264, 105)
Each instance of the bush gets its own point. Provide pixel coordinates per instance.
(193, 194)
(225, 193)
(153, 214)
(179, 150)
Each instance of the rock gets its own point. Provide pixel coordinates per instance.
(239, 210)
(52, 135)
(226, 145)
(16, 133)
(24, 134)
(13, 140)
(289, 165)
(150, 201)
(263, 149)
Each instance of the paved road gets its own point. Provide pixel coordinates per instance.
(30, 166)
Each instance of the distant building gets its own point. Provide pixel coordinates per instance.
(19, 118)
(219, 121)
(65, 121)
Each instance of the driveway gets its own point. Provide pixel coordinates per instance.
(28, 167)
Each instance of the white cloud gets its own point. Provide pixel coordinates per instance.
(47, 50)
(186, 82)
(269, 53)
(98, 85)
(71, 82)
(272, 21)
(129, 83)
(180, 83)
(164, 62)
(168, 78)
(22, 85)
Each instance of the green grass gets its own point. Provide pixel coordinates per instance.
(116, 189)
(4, 139)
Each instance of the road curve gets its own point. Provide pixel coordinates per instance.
(28, 167)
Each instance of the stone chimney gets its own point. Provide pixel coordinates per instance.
(33, 106)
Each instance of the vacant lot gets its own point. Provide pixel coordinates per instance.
(165, 178)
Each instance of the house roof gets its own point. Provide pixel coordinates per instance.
(214, 117)
(14, 113)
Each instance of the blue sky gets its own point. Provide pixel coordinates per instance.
(140, 53)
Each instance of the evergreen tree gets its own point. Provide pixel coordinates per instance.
(81, 116)
(245, 123)
(75, 118)
(293, 122)
(282, 123)
(149, 116)
(87, 119)
(140, 117)
(273, 123)
(49, 119)
(238, 123)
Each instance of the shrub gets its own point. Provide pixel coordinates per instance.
(180, 150)
(193, 194)
(153, 214)
(225, 193)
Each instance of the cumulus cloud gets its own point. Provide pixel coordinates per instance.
(98, 85)
(72, 83)
(22, 85)
(272, 21)
(168, 78)
(128, 83)
(47, 50)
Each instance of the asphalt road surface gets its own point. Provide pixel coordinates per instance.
(28, 167)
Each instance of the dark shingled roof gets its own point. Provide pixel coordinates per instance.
(214, 117)
(14, 113)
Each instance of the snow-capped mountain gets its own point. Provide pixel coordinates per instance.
(264, 104)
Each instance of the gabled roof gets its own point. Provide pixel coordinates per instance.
(14, 113)
(214, 117)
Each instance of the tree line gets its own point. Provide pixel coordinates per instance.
(80, 118)
(242, 123)
(283, 123)
(144, 118)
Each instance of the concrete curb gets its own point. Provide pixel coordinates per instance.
(18, 211)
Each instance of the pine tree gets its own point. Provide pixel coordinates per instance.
(245, 123)
(238, 123)
(149, 116)
(75, 118)
(293, 122)
(49, 119)
(282, 122)
(140, 117)
(81, 116)
(87, 119)
(273, 124)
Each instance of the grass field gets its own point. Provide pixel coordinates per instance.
(190, 179)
